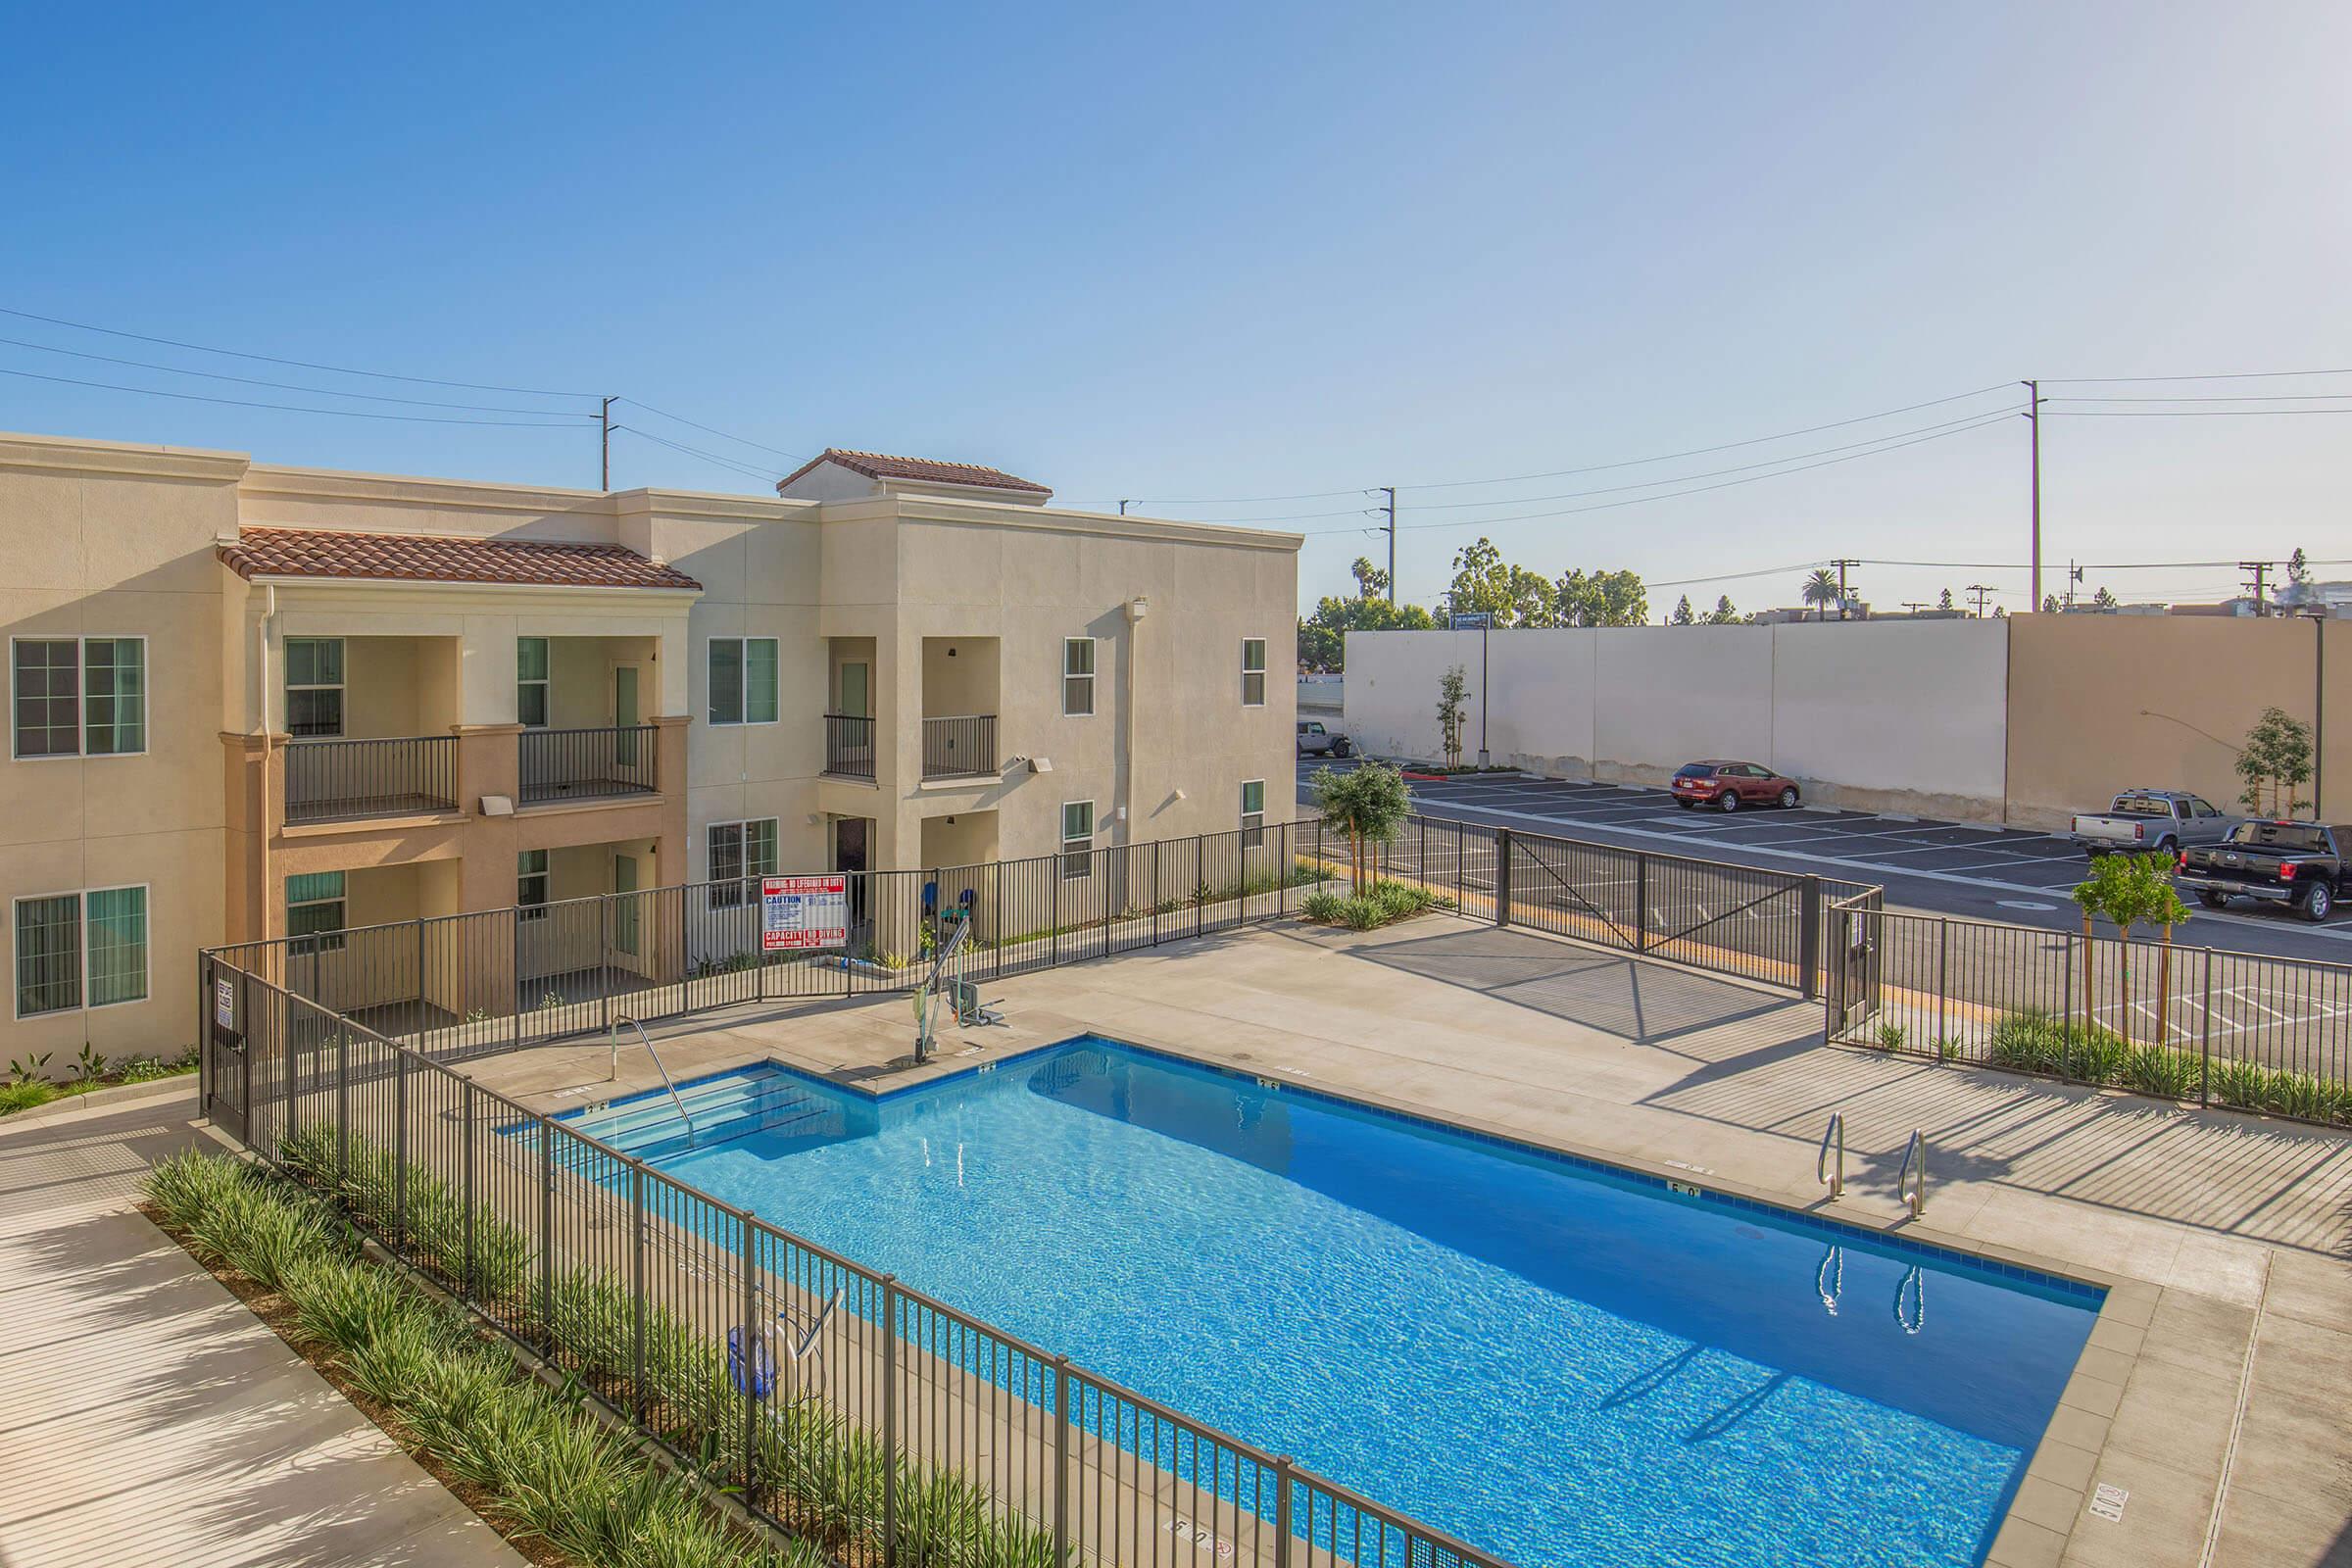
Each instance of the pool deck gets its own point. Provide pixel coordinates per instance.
(2214, 1392)
(149, 1417)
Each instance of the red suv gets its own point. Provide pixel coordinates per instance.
(1728, 786)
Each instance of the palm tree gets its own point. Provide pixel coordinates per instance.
(1821, 590)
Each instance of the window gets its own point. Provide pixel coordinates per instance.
(1077, 676)
(530, 884)
(1253, 673)
(743, 680)
(741, 852)
(313, 686)
(1077, 839)
(530, 681)
(76, 950)
(80, 696)
(314, 910)
(1253, 812)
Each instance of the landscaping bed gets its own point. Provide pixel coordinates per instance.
(28, 1087)
(1384, 904)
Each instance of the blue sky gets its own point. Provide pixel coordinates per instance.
(1241, 250)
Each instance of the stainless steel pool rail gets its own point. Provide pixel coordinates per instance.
(1832, 1179)
(668, 1082)
(1909, 1185)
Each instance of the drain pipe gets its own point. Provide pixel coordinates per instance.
(262, 634)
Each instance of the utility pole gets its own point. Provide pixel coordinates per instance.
(2073, 575)
(604, 471)
(1390, 491)
(1123, 507)
(1842, 594)
(1980, 592)
(2261, 570)
(2033, 418)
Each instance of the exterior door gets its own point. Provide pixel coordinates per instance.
(627, 924)
(857, 682)
(625, 714)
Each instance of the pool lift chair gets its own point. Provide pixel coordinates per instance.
(947, 973)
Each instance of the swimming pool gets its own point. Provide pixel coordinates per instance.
(1558, 1361)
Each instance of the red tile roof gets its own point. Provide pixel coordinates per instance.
(881, 466)
(441, 557)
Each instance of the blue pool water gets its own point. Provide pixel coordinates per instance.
(1559, 1362)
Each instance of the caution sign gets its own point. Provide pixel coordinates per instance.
(802, 912)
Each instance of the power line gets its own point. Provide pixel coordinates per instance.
(2219, 397)
(2223, 375)
(709, 457)
(1753, 478)
(710, 429)
(1599, 467)
(578, 422)
(282, 386)
(302, 365)
(2185, 413)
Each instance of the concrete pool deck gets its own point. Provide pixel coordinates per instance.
(2214, 1390)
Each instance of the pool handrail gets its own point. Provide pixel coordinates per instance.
(1913, 1188)
(668, 1082)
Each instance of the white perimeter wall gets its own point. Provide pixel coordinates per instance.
(1895, 715)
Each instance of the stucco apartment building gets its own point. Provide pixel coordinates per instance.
(251, 700)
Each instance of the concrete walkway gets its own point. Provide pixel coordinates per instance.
(2214, 1392)
(146, 1416)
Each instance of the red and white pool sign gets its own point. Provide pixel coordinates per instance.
(803, 912)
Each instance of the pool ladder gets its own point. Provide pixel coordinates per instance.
(668, 1082)
(1834, 1178)
(1911, 1185)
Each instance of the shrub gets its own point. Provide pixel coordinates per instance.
(2167, 1074)
(1384, 904)
(1890, 1038)
(24, 1096)
(1322, 906)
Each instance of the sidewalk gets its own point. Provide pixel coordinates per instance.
(150, 1418)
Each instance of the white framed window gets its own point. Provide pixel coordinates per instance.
(315, 912)
(1077, 676)
(741, 854)
(313, 686)
(530, 884)
(1077, 840)
(743, 680)
(1253, 673)
(76, 951)
(530, 681)
(77, 695)
(1253, 812)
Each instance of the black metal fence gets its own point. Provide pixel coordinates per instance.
(959, 748)
(849, 746)
(587, 764)
(2181, 1023)
(326, 780)
(830, 1401)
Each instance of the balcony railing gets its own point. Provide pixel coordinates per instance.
(588, 764)
(959, 748)
(849, 746)
(330, 781)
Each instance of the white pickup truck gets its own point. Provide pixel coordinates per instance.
(2151, 822)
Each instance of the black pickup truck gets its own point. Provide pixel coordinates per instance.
(2296, 864)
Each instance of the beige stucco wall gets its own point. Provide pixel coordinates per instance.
(107, 540)
(2104, 703)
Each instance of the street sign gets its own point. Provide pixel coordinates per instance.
(1474, 620)
(801, 913)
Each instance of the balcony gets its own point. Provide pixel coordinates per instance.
(588, 764)
(849, 746)
(334, 781)
(965, 746)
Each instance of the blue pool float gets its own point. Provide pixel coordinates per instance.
(752, 1364)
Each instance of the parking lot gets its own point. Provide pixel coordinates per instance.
(1959, 869)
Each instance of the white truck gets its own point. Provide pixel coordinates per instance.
(2154, 822)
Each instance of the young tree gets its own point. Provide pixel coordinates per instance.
(2274, 762)
(1367, 806)
(1602, 598)
(2298, 568)
(1453, 688)
(2130, 890)
(1723, 614)
(2049, 603)
(1681, 612)
(1821, 591)
(1943, 601)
